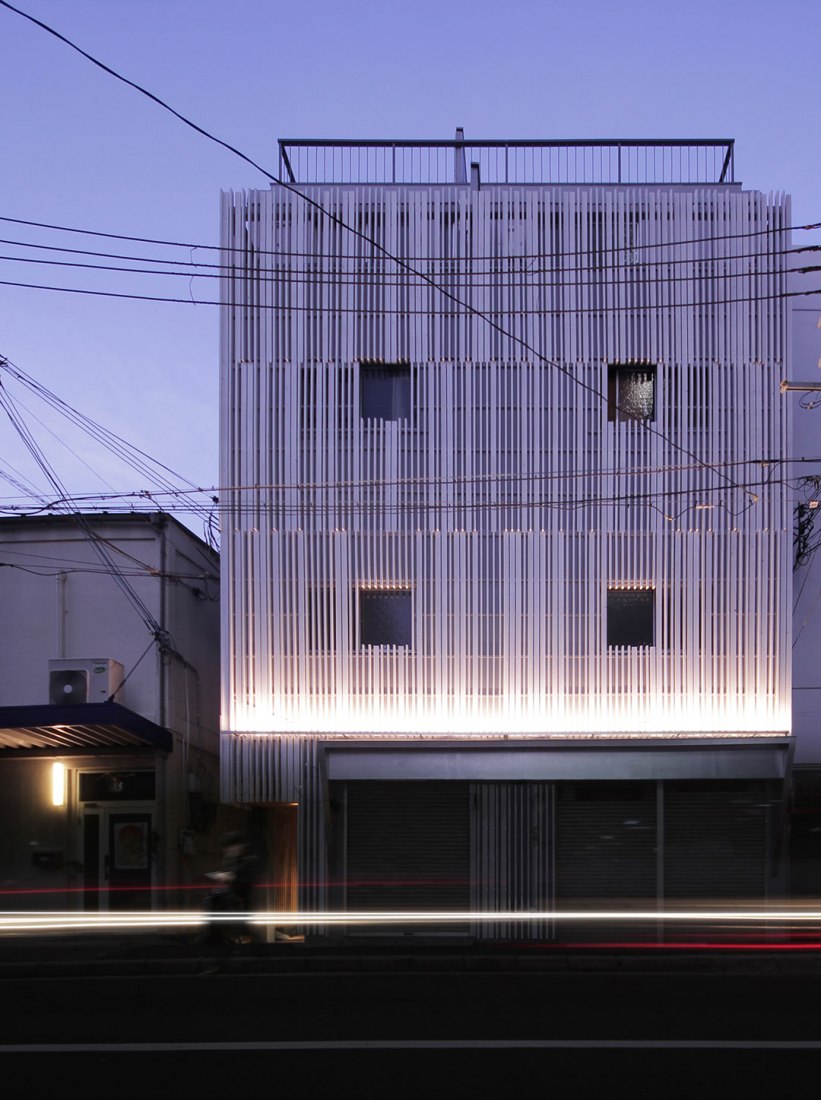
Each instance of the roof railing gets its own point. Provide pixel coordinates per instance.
(606, 161)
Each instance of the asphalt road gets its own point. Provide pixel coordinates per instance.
(611, 1029)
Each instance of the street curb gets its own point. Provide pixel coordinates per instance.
(309, 962)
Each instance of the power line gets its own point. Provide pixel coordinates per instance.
(138, 567)
(100, 549)
(143, 91)
(348, 507)
(18, 481)
(430, 312)
(121, 447)
(420, 275)
(292, 254)
(141, 568)
(477, 483)
(63, 443)
(133, 456)
(456, 480)
(108, 236)
(450, 261)
(336, 220)
(57, 570)
(137, 459)
(516, 280)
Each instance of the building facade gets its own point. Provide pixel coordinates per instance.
(507, 614)
(109, 711)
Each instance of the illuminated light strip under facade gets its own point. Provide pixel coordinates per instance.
(483, 724)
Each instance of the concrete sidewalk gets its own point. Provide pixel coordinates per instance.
(137, 953)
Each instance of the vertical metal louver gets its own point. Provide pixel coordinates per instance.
(511, 855)
(379, 434)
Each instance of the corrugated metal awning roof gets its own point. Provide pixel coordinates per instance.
(77, 728)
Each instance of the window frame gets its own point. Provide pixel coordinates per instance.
(373, 371)
(616, 373)
(639, 590)
(364, 593)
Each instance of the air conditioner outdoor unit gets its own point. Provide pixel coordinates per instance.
(83, 680)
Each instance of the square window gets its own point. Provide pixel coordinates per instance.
(631, 392)
(385, 617)
(631, 614)
(384, 391)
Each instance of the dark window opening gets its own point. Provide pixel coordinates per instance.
(631, 616)
(118, 786)
(631, 392)
(385, 617)
(384, 391)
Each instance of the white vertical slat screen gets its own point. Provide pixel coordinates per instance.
(508, 503)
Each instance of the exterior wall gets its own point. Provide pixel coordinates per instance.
(60, 603)
(508, 503)
(33, 830)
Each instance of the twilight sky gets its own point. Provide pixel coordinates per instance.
(82, 150)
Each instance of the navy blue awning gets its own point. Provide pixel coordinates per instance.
(75, 729)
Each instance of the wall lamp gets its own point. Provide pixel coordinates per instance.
(58, 784)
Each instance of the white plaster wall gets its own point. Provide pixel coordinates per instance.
(57, 601)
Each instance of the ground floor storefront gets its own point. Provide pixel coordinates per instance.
(501, 829)
(542, 847)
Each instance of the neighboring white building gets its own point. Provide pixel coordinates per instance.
(804, 480)
(507, 600)
(109, 676)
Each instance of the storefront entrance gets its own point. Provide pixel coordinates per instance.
(118, 839)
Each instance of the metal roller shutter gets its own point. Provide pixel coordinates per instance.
(605, 841)
(408, 846)
(715, 839)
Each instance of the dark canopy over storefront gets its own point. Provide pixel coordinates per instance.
(78, 729)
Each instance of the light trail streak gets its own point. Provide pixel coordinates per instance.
(64, 921)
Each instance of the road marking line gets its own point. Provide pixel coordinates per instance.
(416, 1044)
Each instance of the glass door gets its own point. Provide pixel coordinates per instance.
(118, 858)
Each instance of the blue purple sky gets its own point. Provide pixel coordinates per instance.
(82, 150)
